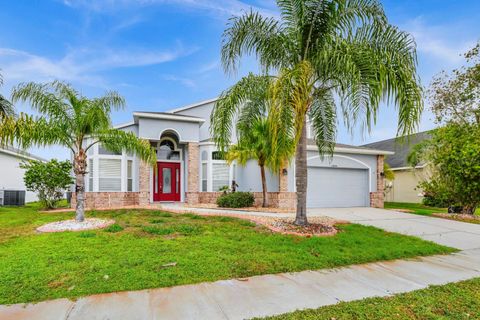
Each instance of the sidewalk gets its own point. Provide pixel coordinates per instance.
(261, 295)
(275, 294)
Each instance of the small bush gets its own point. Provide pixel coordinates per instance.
(114, 228)
(157, 221)
(236, 200)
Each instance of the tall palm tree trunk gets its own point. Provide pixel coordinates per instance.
(80, 166)
(301, 178)
(264, 186)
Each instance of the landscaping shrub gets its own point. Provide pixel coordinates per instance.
(114, 228)
(236, 200)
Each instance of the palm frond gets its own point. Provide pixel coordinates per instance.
(45, 98)
(27, 131)
(119, 141)
(244, 101)
(253, 34)
(323, 117)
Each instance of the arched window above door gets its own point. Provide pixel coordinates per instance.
(167, 150)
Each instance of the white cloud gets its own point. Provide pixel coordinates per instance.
(81, 65)
(184, 81)
(439, 42)
(209, 67)
(224, 7)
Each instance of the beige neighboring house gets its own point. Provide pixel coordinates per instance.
(404, 188)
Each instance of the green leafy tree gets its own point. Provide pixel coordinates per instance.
(48, 179)
(455, 96)
(6, 107)
(454, 152)
(68, 119)
(319, 50)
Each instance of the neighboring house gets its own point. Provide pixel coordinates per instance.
(11, 175)
(190, 169)
(404, 187)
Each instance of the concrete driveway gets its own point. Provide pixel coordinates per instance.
(460, 235)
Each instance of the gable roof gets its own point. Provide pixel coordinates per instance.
(339, 148)
(165, 116)
(193, 105)
(402, 148)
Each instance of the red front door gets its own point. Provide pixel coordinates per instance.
(166, 182)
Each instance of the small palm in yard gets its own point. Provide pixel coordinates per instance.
(319, 50)
(256, 144)
(67, 119)
(254, 139)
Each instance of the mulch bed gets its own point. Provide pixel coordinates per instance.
(256, 209)
(318, 226)
(286, 226)
(458, 217)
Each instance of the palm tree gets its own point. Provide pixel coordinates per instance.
(255, 143)
(247, 102)
(6, 107)
(67, 119)
(323, 51)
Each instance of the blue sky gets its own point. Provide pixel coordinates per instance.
(161, 54)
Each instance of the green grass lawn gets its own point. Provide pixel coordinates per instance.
(453, 301)
(421, 209)
(416, 208)
(131, 254)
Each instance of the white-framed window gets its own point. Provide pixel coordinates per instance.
(90, 175)
(220, 175)
(110, 175)
(167, 150)
(204, 172)
(129, 175)
(204, 176)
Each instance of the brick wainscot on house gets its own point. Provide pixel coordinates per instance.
(191, 170)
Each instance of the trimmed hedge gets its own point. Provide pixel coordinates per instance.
(236, 200)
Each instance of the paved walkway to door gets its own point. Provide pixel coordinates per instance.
(276, 294)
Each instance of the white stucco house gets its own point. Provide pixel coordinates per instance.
(190, 169)
(11, 175)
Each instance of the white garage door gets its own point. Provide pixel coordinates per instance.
(337, 187)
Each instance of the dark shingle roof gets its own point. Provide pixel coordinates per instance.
(401, 147)
(311, 142)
